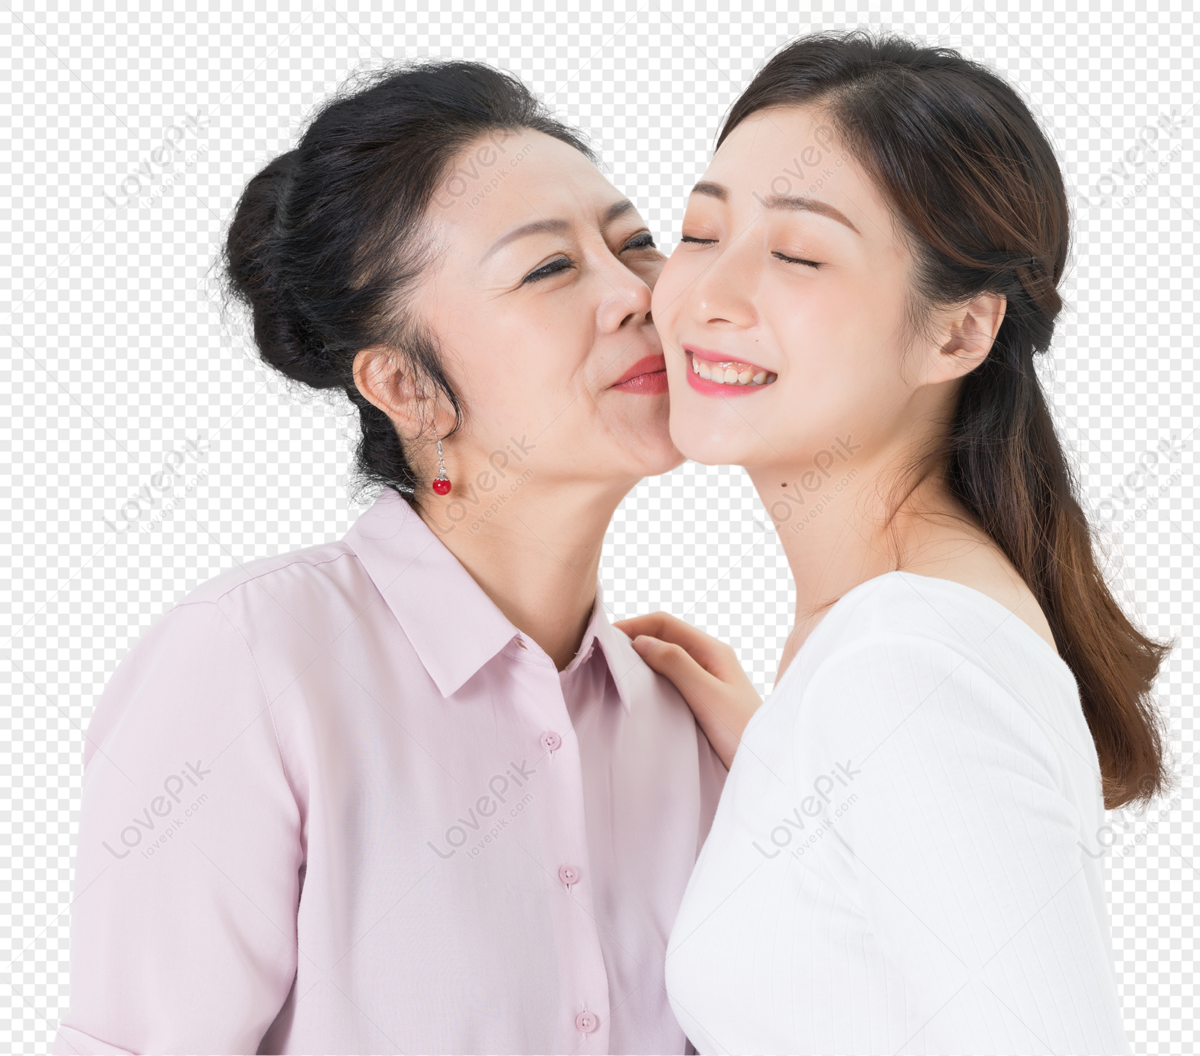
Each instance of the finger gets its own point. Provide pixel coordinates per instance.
(674, 662)
(652, 623)
(711, 653)
(668, 628)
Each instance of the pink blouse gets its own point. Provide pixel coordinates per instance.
(335, 802)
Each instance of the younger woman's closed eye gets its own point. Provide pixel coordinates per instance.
(795, 260)
(777, 254)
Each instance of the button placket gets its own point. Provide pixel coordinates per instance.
(584, 981)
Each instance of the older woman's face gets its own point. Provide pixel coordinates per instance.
(540, 302)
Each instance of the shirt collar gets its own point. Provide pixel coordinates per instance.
(454, 627)
(618, 653)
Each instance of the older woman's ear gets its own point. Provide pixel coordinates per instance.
(386, 380)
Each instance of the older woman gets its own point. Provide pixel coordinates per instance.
(410, 791)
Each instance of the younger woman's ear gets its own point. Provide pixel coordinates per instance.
(383, 379)
(971, 330)
(967, 334)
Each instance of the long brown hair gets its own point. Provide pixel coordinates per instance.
(978, 190)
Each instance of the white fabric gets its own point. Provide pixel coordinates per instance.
(905, 857)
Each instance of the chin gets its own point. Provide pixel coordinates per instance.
(646, 437)
(659, 455)
(709, 445)
(670, 459)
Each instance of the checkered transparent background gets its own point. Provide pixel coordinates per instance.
(119, 357)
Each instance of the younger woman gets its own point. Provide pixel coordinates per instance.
(905, 854)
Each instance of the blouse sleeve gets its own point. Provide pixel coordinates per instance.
(183, 922)
(966, 850)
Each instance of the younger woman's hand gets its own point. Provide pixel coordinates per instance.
(706, 672)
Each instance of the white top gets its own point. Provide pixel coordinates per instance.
(905, 856)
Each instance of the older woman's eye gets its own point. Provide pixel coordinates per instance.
(546, 270)
(643, 241)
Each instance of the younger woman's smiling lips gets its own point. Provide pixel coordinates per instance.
(717, 374)
(647, 376)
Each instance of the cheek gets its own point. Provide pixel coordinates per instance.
(531, 371)
(649, 271)
(666, 302)
(843, 325)
(838, 349)
(490, 360)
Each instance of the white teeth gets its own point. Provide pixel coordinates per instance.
(730, 375)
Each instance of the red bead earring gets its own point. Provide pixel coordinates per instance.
(441, 483)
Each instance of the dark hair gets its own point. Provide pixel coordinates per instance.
(328, 240)
(978, 192)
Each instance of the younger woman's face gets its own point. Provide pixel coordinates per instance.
(782, 309)
(540, 302)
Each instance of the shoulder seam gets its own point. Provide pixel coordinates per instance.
(269, 709)
(258, 576)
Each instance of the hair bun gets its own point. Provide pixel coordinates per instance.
(285, 338)
(253, 227)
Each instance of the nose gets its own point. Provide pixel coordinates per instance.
(625, 301)
(723, 293)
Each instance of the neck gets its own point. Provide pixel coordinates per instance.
(537, 556)
(843, 526)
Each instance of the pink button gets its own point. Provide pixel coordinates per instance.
(550, 740)
(569, 875)
(587, 1022)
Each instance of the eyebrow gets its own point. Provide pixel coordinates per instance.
(779, 201)
(615, 210)
(538, 227)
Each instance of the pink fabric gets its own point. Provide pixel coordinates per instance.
(335, 802)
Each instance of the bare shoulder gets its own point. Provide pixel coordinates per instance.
(975, 561)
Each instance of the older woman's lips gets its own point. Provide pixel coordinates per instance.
(647, 376)
(718, 374)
